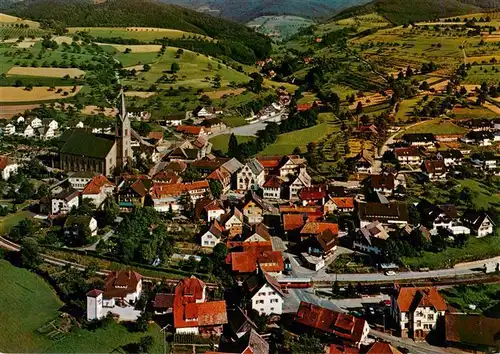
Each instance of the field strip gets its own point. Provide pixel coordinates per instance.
(492, 107)
(45, 72)
(19, 94)
(139, 94)
(136, 48)
(219, 94)
(6, 112)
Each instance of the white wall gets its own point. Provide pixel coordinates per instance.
(267, 301)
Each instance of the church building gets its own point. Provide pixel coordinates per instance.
(82, 150)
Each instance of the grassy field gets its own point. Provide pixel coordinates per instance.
(473, 112)
(484, 296)
(196, 71)
(279, 27)
(436, 126)
(234, 121)
(27, 303)
(133, 59)
(483, 73)
(220, 142)
(145, 34)
(9, 221)
(9, 32)
(484, 198)
(405, 110)
(360, 23)
(300, 138)
(475, 248)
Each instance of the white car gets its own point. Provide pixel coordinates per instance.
(390, 273)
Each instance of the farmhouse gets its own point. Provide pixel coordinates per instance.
(102, 153)
(419, 139)
(265, 294)
(391, 214)
(408, 156)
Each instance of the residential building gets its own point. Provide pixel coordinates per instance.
(191, 130)
(254, 208)
(290, 165)
(450, 157)
(323, 244)
(314, 228)
(445, 216)
(175, 119)
(8, 167)
(138, 114)
(132, 194)
(472, 332)
(419, 139)
(193, 314)
(63, 202)
(232, 222)
(50, 123)
(363, 162)
(408, 155)
(163, 303)
(272, 188)
(416, 311)
(209, 210)
(389, 214)
(266, 296)
(44, 133)
(29, 131)
(383, 183)
(249, 261)
(434, 169)
(339, 204)
(314, 195)
(251, 176)
(103, 153)
(35, 122)
(371, 238)
(303, 180)
(349, 329)
(9, 129)
(481, 138)
(97, 190)
(212, 236)
(239, 323)
(213, 125)
(486, 160)
(226, 173)
(249, 343)
(382, 348)
(168, 197)
(480, 223)
(74, 224)
(78, 180)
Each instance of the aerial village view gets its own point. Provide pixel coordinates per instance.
(250, 177)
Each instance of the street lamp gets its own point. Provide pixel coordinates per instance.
(164, 330)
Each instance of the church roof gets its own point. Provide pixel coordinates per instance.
(83, 143)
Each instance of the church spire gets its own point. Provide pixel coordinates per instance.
(123, 110)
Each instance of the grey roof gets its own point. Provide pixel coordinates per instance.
(232, 165)
(255, 166)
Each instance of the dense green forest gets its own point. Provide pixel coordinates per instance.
(404, 11)
(142, 13)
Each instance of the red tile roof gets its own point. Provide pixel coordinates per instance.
(96, 184)
(189, 129)
(313, 193)
(342, 325)
(382, 348)
(155, 135)
(273, 182)
(293, 221)
(340, 349)
(160, 190)
(411, 298)
(190, 313)
(4, 162)
(169, 177)
(246, 262)
(94, 293)
(163, 301)
(304, 107)
(343, 202)
(316, 228)
(121, 283)
(299, 209)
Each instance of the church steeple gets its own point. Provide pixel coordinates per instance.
(122, 135)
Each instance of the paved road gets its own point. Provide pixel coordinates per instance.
(321, 275)
(245, 130)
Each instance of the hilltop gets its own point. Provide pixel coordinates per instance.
(141, 13)
(404, 11)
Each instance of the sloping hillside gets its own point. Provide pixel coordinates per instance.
(404, 11)
(141, 13)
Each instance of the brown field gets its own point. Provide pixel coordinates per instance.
(492, 107)
(139, 94)
(63, 39)
(145, 48)
(219, 94)
(19, 94)
(369, 100)
(13, 19)
(479, 59)
(356, 145)
(91, 110)
(136, 67)
(6, 112)
(45, 72)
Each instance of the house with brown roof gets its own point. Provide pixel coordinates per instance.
(63, 202)
(212, 236)
(209, 210)
(168, 197)
(252, 258)
(226, 174)
(416, 311)
(363, 161)
(254, 208)
(249, 343)
(347, 328)
(272, 188)
(389, 214)
(266, 296)
(339, 204)
(98, 189)
(132, 194)
(472, 332)
(8, 167)
(122, 289)
(314, 228)
(193, 314)
(408, 155)
(163, 303)
(191, 130)
(314, 195)
(382, 348)
(371, 238)
(434, 169)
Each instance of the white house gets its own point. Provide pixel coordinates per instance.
(214, 210)
(212, 236)
(7, 167)
(251, 176)
(266, 295)
(20, 120)
(408, 155)
(299, 182)
(50, 123)
(36, 123)
(29, 132)
(371, 238)
(45, 133)
(291, 166)
(79, 180)
(72, 223)
(10, 129)
(272, 188)
(121, 291)
(98, 189)
(416, 311)
(479, 222)
(63, 202)
(450, 157)
(485, 160)
(79, 125)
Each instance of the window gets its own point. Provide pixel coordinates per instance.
(430, 317)
(426, 326)
(212, 242)
(262, 294)
(261, 310)
(272, 293)
(272, 308)
(419, 324)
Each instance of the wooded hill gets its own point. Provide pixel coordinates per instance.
(405, 11)
(141, 13)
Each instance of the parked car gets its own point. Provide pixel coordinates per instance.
(390, 273)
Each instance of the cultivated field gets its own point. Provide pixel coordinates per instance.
(279, 26)
(46, 72)
(483, 73)
(361, 23)
(93, 110)
(220, 94)
(436, 126)
(6, 112)
(19, 94)
(140, 33)
(144, 48)
(142, 94)
(7, 31)
(8, 19)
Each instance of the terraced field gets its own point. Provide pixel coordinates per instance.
(145, 34)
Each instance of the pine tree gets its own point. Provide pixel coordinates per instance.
(232, 146)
